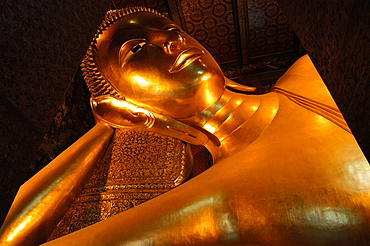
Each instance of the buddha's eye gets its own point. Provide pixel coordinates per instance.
(129, 48)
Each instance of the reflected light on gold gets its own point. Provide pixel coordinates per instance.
(213, 220)
(200, 204)
(19, 228)
(141, 81)
(331, 218)
(209, 96)
(229, 227)
(124, 104)
(206, 225)
(205, 77)
(142, 242)
(119, 103)
(210, 128)
(321, 121)
(358, 178)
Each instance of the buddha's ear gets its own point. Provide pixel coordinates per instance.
(117, 113)
(239, 87)
(123, 114)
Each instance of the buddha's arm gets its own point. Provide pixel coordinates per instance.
(42, 201)
(247, 204)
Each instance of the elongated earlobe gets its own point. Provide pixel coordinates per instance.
(239, 87)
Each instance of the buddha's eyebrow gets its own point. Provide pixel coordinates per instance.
(170, 26)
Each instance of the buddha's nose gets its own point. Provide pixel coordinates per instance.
(174, 45)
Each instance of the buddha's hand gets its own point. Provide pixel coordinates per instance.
(119, 113)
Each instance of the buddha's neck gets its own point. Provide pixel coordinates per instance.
(236, 120)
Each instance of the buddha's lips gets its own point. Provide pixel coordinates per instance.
(185, 58)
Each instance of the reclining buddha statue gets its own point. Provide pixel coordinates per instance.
(287, 170)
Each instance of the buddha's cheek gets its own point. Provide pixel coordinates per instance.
(177, 95)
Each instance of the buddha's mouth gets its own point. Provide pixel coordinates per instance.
(185, 58)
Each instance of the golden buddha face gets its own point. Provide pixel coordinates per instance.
(155, 65)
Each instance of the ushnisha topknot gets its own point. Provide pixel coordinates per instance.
(94, 79)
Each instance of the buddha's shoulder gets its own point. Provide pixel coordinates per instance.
(303, 79)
